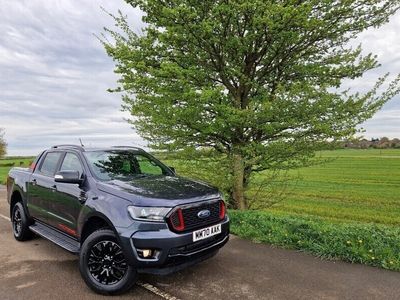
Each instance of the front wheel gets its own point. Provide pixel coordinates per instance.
(103, 265)
(20, 223)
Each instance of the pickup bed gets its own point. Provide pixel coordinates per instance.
(120, 209)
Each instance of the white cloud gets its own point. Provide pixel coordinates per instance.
(54, 74)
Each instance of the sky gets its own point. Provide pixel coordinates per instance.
(54, 75)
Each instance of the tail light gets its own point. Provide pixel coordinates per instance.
(176, 220)
(222, 209)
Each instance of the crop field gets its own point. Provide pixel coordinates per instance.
(356, 185)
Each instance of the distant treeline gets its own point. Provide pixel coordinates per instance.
(382, 143)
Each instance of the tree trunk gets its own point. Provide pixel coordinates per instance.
(238, 182)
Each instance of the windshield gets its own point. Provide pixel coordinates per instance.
(124, 165)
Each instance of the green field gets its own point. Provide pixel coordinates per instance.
(7, 163)
(357, 185)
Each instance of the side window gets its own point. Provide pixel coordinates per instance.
(71, 163)
(49, 164)
(147, 166)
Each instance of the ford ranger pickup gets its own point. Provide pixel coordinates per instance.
(120, 209)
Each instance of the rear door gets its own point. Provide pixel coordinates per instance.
(41, 186)
(68, 198)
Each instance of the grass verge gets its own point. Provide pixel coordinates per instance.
(375, 245)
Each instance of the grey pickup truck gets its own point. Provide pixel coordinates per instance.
(120, 209)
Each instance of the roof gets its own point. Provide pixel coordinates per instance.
(83, 149)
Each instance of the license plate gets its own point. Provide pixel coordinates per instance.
(206, 232)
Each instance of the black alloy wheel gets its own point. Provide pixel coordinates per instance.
(107, 263)
(17, 221)
(103, 265)
(20, 223)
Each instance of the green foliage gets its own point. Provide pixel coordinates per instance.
(3, 145)
(259, 81)
(205, 165)
(357, 243)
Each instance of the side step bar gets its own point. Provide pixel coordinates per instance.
(56, 237)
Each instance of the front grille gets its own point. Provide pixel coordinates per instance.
(190, 217)
(175, 219)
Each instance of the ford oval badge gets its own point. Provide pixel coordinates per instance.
(204, 214)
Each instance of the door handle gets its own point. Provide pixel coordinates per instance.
(34, 181)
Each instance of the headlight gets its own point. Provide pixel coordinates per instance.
(153, 214)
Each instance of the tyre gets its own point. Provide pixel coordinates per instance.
(103, 265)
(20, 223)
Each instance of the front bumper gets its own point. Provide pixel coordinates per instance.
(175, 251)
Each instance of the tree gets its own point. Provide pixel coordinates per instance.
(258, 81)
(3, 145)
(384, 143)
(395, 143)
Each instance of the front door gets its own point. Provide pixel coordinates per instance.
(68, 198)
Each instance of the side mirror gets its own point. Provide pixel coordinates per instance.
(68, 177)
(172, 169)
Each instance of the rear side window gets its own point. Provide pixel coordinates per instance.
(50, 163)
(71, 163)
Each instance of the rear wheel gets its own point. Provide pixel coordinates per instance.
(20, 223)
(103, 265)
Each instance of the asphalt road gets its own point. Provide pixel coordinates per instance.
(39, 269)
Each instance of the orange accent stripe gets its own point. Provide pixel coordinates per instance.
(67, 229)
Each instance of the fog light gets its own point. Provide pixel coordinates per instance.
(145, 253)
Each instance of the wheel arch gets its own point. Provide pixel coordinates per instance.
(95, 222)
(16, 197)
